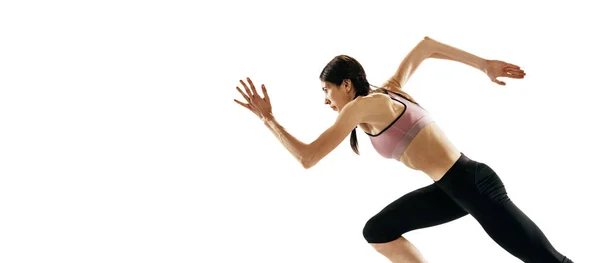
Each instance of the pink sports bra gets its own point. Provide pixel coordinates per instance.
(392, 141)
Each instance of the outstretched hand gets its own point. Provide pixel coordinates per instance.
(497, 68)
(259, 106)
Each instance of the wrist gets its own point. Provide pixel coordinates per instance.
(482, 65)
(268, 118)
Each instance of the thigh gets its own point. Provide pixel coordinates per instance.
(515, 232)
(481, 192)
(425, 207)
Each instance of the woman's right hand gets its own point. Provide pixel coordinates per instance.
(497, 68)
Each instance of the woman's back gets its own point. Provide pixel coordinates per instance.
(401, 129)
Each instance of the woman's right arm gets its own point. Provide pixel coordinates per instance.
(443, 51)
(492, 68)
(429, 48)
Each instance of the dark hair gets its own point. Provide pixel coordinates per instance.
(344, 67)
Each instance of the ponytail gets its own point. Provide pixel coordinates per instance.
(364, 87)
(354, 141)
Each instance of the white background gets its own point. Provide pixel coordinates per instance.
(120, 140)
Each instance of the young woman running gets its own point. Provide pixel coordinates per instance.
(400, 129)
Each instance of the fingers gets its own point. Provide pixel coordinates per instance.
(264, 90)
(243, 94)
(246, 88)
(252, 90)
(512, 66)
(514, 73)
(499, 82)
(251, 95)
(252, 86)
(247, 106)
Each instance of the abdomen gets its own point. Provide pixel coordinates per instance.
(430, 152)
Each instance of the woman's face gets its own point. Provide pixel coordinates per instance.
(337, 96)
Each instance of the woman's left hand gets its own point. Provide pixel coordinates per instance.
(259, 106)
(498, 68)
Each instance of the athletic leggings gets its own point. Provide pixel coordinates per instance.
(469, 187)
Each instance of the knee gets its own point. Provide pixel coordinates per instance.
(378, 231)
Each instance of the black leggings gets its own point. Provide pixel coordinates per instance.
(469, 187)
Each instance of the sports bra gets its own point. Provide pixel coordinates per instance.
(393, 140)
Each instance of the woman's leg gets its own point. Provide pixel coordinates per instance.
(479, 190)
(421, 208)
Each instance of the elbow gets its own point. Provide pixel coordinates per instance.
(308, 163)
(306, 166)
(428, 40)
(427, 46)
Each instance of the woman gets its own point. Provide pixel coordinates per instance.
(401, 129)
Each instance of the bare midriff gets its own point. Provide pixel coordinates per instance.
(430, 152)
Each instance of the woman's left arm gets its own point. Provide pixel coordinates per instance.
(308, 154)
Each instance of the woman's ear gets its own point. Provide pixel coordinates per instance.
(347, 85)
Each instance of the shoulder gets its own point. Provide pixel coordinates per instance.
(392, 84)
(367, 102)
(363, 107)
